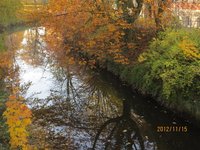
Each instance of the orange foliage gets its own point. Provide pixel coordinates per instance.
(18, 118)
(92, 28)
(17, 114)
(4, 61)
(159, 11)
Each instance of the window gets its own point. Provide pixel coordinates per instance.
(198, 22)
(187, 22)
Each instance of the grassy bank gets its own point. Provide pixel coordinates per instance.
(168, 71)
(4, 136)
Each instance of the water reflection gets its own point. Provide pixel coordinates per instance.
(33, 47)
(125, 133)
(74, 119)
(74, 107)
(74, 115)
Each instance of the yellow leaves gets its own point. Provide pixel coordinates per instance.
(111, 27)
(123, 24)
(118, 58)
(5, 63)
(17, 114)
(141, 58)
(86, 29)
(18, 118)
(11, 97)
(91, 43)
(189, 49)
(131, 45)
(82, 62)
(71, 61)
(148, 1)
(4, 59)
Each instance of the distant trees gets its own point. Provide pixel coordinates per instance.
(8, 9)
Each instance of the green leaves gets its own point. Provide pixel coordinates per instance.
(172, 67)
(8, 9)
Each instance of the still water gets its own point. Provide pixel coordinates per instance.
(75, 107)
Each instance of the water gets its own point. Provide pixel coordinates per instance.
(78, 108)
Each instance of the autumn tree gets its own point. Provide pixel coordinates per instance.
(102, 30)
(159, 11)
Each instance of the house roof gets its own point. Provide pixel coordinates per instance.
(186, 5)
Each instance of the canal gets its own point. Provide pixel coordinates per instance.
(74, 107)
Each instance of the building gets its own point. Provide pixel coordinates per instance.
(188, 12)
(34, 1)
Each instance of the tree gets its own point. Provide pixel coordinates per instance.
(159, 12)
(101, 30)
(8, 10)
(97, 29)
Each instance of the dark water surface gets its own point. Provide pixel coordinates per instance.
(78, 108)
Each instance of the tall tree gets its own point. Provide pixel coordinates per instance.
(102, 29)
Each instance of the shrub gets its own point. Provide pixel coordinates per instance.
(170, 70)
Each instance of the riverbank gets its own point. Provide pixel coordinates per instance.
(168, 71)
(19, 26)
(180, 110)
(77, 100)
(4, 136)
(5, 64)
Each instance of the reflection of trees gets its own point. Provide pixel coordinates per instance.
(122, 132)
(87, 92)
(33, 46)
(78, 104)
(75, 105)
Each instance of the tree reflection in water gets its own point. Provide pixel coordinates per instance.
(84, 113)
(125, 133)
(81, 111)
(74, 115)
(33, 49)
